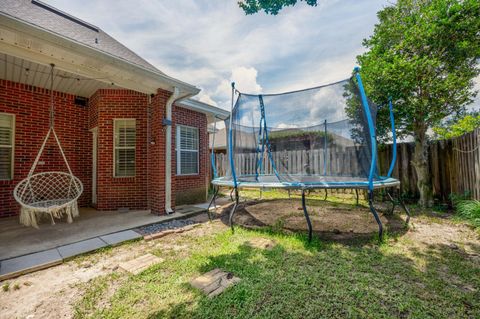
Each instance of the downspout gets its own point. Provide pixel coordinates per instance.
(149, 144)
(168, 151)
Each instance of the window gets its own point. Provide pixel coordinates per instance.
(125, 141)
(7, 133)
(187, 150)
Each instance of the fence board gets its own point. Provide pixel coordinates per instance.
(454, 164)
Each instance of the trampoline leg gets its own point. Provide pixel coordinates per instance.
(305, 212)
(213, 202)
(326, 195)
(405, 208)
(356, 194)
(393, 203)
(232, 212)
(374, 212)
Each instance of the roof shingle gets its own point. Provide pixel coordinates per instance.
(65, 25)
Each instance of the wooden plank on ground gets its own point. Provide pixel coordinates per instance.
(214, 282)
(139, 264)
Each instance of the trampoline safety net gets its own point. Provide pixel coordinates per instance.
(322, 137)
(304, 138)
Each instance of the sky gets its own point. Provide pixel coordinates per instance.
(210, 43)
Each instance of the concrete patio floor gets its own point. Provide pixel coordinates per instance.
(18, 240)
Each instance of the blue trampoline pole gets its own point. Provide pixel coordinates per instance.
(373, 141)
(261, 137)
(267, 142)
(230, 141)
(394, 137)
(232, 162)
(325, 150)
(212, 154)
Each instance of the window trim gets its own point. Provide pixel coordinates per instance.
(179, 150)
(12, 160)
(115, 120)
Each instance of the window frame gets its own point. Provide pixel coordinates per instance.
(12, 146)
(179, 150)
(115, 121)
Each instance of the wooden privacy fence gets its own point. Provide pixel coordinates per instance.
(454, 164)
(334, 162)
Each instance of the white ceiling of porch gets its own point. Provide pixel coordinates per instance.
(15, 69)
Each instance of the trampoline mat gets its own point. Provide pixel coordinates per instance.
(307, 181)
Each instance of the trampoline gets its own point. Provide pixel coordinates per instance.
(317, 138)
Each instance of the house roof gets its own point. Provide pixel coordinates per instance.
(54, 20)
(36, 32)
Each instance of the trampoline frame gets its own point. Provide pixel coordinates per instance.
(370, 184)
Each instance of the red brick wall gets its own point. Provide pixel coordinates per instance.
(146, 189)
(187, 189)
(190, 188)
(31, 108)
(119, 192)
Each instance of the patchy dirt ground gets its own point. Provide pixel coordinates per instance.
(329, 219)
(52, 293)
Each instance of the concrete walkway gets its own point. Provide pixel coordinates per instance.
(26, 249)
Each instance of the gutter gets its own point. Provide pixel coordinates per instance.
(216, 112)
(168, 150)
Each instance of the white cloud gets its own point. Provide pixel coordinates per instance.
(245, 79)
(286, 125)
(206, 43)
(327, 104)
(205, 98)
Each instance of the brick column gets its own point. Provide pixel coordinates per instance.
(156, 154)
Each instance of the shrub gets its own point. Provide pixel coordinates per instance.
(470, 210)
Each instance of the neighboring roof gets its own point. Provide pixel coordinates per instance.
(54, 20)
(220, 139)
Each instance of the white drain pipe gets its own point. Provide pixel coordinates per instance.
(168, 151)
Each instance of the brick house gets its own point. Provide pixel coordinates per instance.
(103, 94)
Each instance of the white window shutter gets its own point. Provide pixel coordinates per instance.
(187, 150)
(125, 147)
(6, 146)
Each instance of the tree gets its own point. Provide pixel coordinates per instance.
(269, 6)
(424, 54)
(455, 128)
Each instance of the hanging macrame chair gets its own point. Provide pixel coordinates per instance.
(53, 193)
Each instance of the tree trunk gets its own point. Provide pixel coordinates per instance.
(420, 162)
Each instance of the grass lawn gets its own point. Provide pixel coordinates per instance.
(408, 276)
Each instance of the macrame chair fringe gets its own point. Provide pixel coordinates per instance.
(31, 217)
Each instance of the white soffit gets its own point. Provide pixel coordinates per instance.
(22, 71)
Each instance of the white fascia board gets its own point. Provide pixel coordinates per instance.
(214, 113)
(25, 40)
